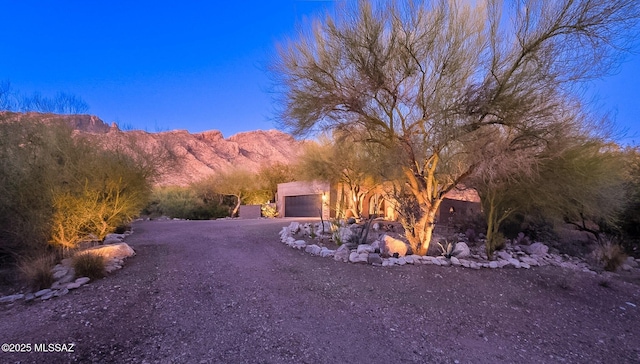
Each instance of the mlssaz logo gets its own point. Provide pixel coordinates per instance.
(55, 348)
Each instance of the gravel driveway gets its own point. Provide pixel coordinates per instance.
(228, 291)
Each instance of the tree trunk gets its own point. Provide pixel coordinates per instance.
(420, 232)
(235, 209)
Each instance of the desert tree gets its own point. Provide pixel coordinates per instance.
(427, 79)
(270, 175)
(237, 183)
(341, 159)
(576, 179)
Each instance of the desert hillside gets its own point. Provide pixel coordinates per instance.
(196, 155)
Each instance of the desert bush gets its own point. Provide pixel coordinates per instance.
(269, 211)
(89, 265)
(27, 167)
(59, 188)
(185, 203)
(101, 190)
(609, 255)
(36, 271)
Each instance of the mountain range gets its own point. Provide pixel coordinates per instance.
(196, 155)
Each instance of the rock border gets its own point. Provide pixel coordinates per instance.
(63, 272)
(512, 256)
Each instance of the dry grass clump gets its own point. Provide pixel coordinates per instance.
(36, 271)
(89, 265)
(610, 255)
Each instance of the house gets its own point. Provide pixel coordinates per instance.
(310, 199)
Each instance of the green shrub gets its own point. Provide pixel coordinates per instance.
(59, 188)
(184, 203)
(36, 271)
(89, 265)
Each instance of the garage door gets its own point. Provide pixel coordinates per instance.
(302, 206)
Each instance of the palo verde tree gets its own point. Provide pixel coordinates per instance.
(238, 183)
(342, 159)
(425, 79)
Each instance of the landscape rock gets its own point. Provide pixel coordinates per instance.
(313, 249)
(12, 298)
(119, 250)
(392, 245)
(294, 227)
(42, 292)
(503, 255)
(455, 261)
(59, 273)
(342, 254)
(61, 292)
(375, 245)
(343, 234)
(82, 280)
(354, 257)
(461, 250)
(374, 259)
(537, 249)
(365, 248)
(514, 262)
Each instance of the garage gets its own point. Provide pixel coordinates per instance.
(303, 205)
(304, 199)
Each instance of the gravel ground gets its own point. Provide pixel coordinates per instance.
(228, 291)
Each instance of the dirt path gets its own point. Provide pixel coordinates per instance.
(228, 292)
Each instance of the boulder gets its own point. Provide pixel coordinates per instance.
(342, 254)
(365, 248)
(514, 262)
(503, 255)
(294, 227)
(374, 259)
(111, 251)
(537, 249)
(529, 261)
(313, 249)
(12, 298)
(391, 245)
(375, 245)
(343, 235)
(354, 257)
(59, 273)
(326, 252)
(455, 262)
(42, 292)
(461, 250)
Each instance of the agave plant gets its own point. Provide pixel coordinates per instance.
(447, 250)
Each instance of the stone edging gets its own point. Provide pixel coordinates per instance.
(513, 256)
(63, 273)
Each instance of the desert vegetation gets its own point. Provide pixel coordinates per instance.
(58, 189)
(483, 95)
(220, 195)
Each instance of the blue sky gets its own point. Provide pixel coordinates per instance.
(195, 65)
